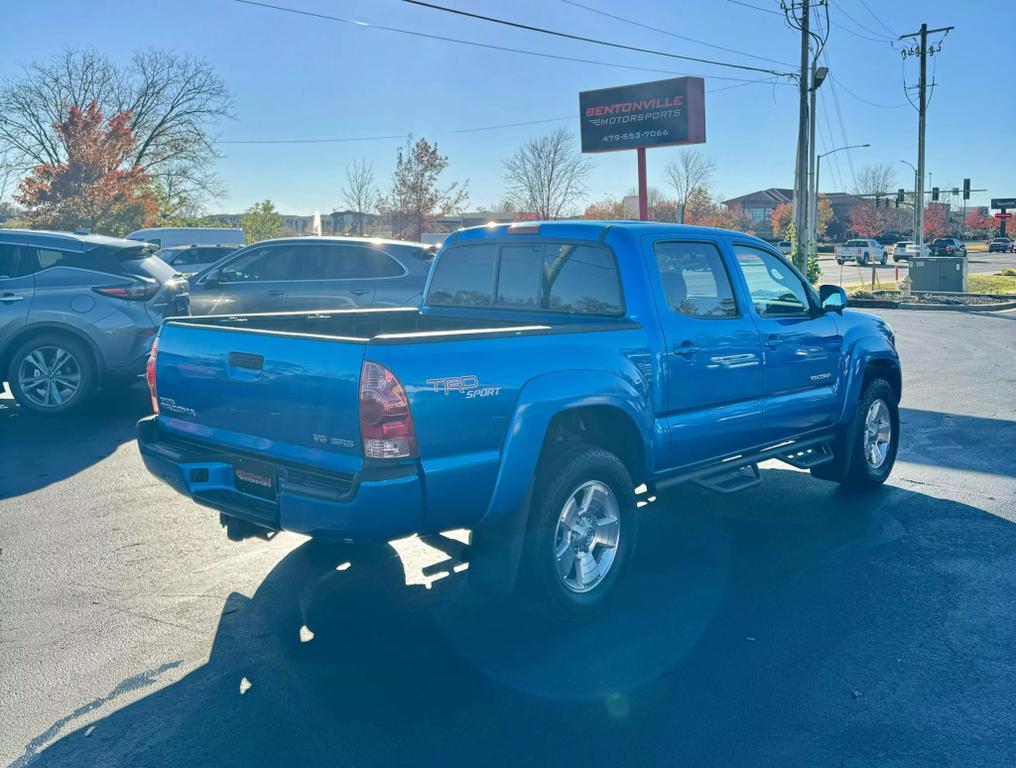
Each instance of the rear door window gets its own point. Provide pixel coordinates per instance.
(694, 280)
(10, 261)
(51, 258)
(270, 263)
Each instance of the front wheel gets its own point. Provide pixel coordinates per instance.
(885, 258)
(869, 451)
(581, 533)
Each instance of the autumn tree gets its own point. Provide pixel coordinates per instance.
(863, 219)
(825, 216)
(96, 185)
(977, 220)
(360, 194)
(415, 200)
(935, 222)
(690, 172)
(173, 103)
(780, 219)
(608, 209)
(547, 175)
(261, 222)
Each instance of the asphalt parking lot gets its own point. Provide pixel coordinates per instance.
(790, 625)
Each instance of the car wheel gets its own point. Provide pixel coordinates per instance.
(864, 260)
(885, 258)
(51, 374)
(581, 533)
(876, 437)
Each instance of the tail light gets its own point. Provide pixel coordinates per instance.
(150, 374)
(386, 425)
(136, 291)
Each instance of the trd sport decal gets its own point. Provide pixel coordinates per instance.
(467, 385)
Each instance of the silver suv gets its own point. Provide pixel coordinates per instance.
(78, 312)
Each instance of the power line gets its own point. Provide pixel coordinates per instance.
(593, 40)
(672, 34)
(756, 7)
(472, 43)
(869, 30)
(876, 18)
(388, 136)
(839, 119)
(864, 100)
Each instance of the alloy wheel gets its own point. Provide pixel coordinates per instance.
(877, 434)
(49, 376)
(586, 537)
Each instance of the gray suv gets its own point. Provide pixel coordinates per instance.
(78, 312)
(308, 273)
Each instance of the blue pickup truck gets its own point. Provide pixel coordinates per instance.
(554, 372)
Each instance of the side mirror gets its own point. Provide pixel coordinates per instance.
(834, 298)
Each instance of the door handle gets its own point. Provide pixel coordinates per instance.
(773, 341)
(277, 292)
(686, 350)
(360, 291)
(9, 298)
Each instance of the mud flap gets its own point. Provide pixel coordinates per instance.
(495, 551)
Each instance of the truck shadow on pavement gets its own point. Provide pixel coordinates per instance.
(794, 626)
(39, 450)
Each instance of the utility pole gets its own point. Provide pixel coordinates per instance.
(801, 168)
(921, 50)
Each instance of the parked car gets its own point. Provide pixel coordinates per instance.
(785, 247)
(298, 273)
(191, 259)
(907, 249)
(78, 312)
(167, 237)
(1001, 245)
(948, 246)
(553, 369)
(863, 251)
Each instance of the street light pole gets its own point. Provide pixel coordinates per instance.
(818, 173)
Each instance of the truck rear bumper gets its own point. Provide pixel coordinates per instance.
(373, 505)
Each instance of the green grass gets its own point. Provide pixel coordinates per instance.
(992, 284)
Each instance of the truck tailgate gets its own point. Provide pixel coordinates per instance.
(284, 396)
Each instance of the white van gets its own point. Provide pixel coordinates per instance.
(166, 237)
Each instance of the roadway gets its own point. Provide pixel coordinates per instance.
(789, 625)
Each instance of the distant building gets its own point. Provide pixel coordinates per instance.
(759, 207)
(452, 222)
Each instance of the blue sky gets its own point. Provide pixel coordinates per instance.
(295, 77)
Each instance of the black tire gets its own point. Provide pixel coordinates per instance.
(82, 359)
(850, 467)
(558, 478)
(885, 258)
(864, 260)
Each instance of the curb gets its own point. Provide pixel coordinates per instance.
(960, 307)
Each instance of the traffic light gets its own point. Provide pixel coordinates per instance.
(934, 194)
(899, 197)
(966, 189)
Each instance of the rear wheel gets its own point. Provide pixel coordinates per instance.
(885, 257)
(51, 374)
(581, 533)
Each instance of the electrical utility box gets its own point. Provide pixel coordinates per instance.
(939, 273)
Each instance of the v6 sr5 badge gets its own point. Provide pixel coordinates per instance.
(465, 385)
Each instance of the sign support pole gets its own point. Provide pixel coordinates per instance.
(643, 187)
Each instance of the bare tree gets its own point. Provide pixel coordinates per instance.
(361, 194)
(415, 200)
(174, 102)
(878, 179)
(546, 176)
(691, 171)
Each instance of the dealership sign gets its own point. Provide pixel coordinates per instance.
(656, 114)
(997, 202)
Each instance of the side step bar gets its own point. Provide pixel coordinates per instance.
(740, 471)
